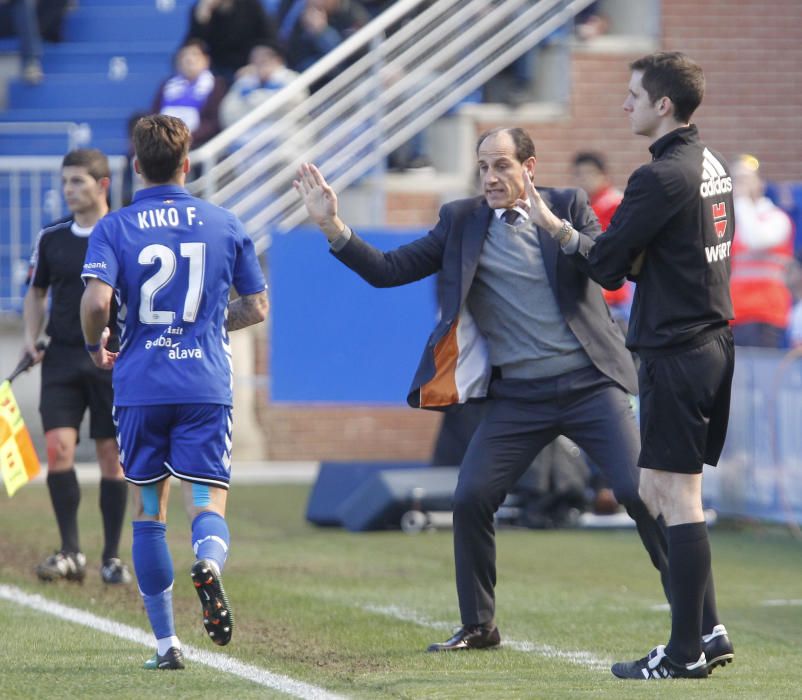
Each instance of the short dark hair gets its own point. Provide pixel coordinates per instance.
(593, 157)
(194, 42)
(94, 160)
(524, 145)
(672, 74)
(161, 143)
(273, 46)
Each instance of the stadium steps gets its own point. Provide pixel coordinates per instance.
(123, 23)
(112, 60)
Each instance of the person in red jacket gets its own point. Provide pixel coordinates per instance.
(590, 173)
(762, 252)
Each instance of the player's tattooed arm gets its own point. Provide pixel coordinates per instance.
(246, 310)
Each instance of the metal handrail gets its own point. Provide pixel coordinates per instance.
(33, 184)
(220, 143)
(323, 99)
(442, 55)
(388, 143)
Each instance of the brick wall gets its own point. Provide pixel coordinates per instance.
(752, 55)
(412, 209)
(342, 432)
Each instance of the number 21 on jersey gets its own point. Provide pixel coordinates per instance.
(196, 254)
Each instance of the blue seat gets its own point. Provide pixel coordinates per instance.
(127, 25)
(108, 68)
(56, 114)
(68, 92)
(104, 57)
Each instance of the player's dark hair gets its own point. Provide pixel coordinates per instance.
(524, 146)
(591, 157)
(95, 162)
(672, 74)
(161, 143)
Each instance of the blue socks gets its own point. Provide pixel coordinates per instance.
(210, 538)
(154, 573)
(154, 566)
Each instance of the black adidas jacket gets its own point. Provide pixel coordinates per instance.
(677, 211)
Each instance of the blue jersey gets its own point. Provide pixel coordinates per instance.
(172, 259)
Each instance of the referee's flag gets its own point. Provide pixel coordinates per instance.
(18, 460)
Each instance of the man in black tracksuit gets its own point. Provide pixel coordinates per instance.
(672, 234)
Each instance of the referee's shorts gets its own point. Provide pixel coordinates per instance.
(71, 384)
(685, 404)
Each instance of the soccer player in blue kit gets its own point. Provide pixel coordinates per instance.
(172, 259)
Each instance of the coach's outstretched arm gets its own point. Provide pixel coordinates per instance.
(408, 263)
(95, 310)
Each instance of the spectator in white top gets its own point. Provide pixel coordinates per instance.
(260, 79)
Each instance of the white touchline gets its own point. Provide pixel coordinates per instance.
(221, 662)
(781, 602)
(585, 658)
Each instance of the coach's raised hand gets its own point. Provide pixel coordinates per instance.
(320, 200)
(539, 213)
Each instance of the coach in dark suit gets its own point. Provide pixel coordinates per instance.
(521, 328)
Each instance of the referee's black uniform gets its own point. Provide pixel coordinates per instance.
(71, 384)
(70, 381)
(675, 224)
(678, 211)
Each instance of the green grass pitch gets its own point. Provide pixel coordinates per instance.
(352, 613)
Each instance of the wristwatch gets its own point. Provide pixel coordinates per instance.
(564, 233)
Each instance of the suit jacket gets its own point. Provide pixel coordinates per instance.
(455, 364)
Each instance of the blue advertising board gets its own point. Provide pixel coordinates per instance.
(334, 338)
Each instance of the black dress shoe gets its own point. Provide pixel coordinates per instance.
(470, 637)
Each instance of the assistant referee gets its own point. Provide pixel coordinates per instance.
(71, 383)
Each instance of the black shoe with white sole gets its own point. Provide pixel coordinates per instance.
(217, 617)
(718, 648)
(656, 665)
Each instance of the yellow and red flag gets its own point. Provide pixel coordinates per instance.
(18, 461)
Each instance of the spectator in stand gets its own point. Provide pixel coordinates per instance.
(310, 37)
(762, 253)
(230, 28)
(346, 16)
(50, 14)
(265, 75)
(590, 173)
(309, 29)
(18, 18)
(193, 93)
(591, 22)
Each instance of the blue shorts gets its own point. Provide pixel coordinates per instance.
(189, 441)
